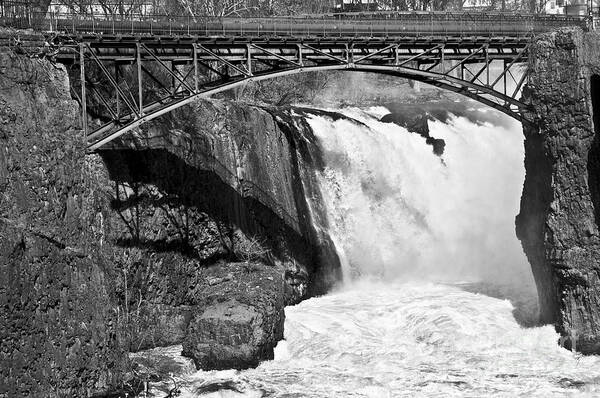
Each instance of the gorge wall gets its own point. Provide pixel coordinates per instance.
(558, 222)
(196, 231)
(58, 334)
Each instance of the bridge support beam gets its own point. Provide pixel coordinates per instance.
(226, 65)
(140, 86)
(83, 79)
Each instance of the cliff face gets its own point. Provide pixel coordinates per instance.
(196, 231)
(217, 183)
(57, 329)
(252, 168)
(558, 222)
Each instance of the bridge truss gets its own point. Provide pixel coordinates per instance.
(134, 80)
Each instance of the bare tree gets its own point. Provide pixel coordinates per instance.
(111, 8)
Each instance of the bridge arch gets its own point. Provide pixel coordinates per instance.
(463, 68)
(481, 93)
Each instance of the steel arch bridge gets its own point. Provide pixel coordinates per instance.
(466, 56)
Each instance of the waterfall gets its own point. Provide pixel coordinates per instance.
(398, 211)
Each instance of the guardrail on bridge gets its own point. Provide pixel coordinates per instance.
(328, 25)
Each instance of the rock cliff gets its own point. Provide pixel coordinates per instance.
(558, 221)
(195, 231)
(58, 332)
(217, 183)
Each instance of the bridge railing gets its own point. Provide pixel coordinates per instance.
(330, 25)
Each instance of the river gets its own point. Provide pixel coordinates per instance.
(438, 298)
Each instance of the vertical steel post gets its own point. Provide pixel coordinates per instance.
(139, 73)
(505, 73)
(487, 65)
(195, 48)
(249, 58)
(300, 55)
(118, 98)
(83, 97)
(173, 80)
(348, 61)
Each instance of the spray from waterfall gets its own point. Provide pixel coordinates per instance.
(398, 211)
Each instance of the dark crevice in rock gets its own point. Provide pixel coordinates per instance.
(594, 154)
(530, 223)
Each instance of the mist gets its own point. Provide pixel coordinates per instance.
(400, 212)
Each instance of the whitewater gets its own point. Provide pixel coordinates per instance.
(438, 299)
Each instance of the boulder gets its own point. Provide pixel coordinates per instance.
(236, 330)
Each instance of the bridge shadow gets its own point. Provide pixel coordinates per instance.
(180, 187)
(159, 179)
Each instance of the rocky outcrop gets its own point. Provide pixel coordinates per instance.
(417, 122)
(229, 185)
(196, 231)
(558, 223)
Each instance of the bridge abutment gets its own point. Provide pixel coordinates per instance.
(557, 225)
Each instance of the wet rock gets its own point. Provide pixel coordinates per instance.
(206, 200)
(161, 364)
(416, 122)
(438, 145)
(227, 388)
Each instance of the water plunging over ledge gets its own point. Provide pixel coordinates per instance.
(438, 299)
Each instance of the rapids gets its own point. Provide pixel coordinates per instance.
(438, 299)
(379, 340)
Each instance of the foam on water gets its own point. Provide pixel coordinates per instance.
(375, 339)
